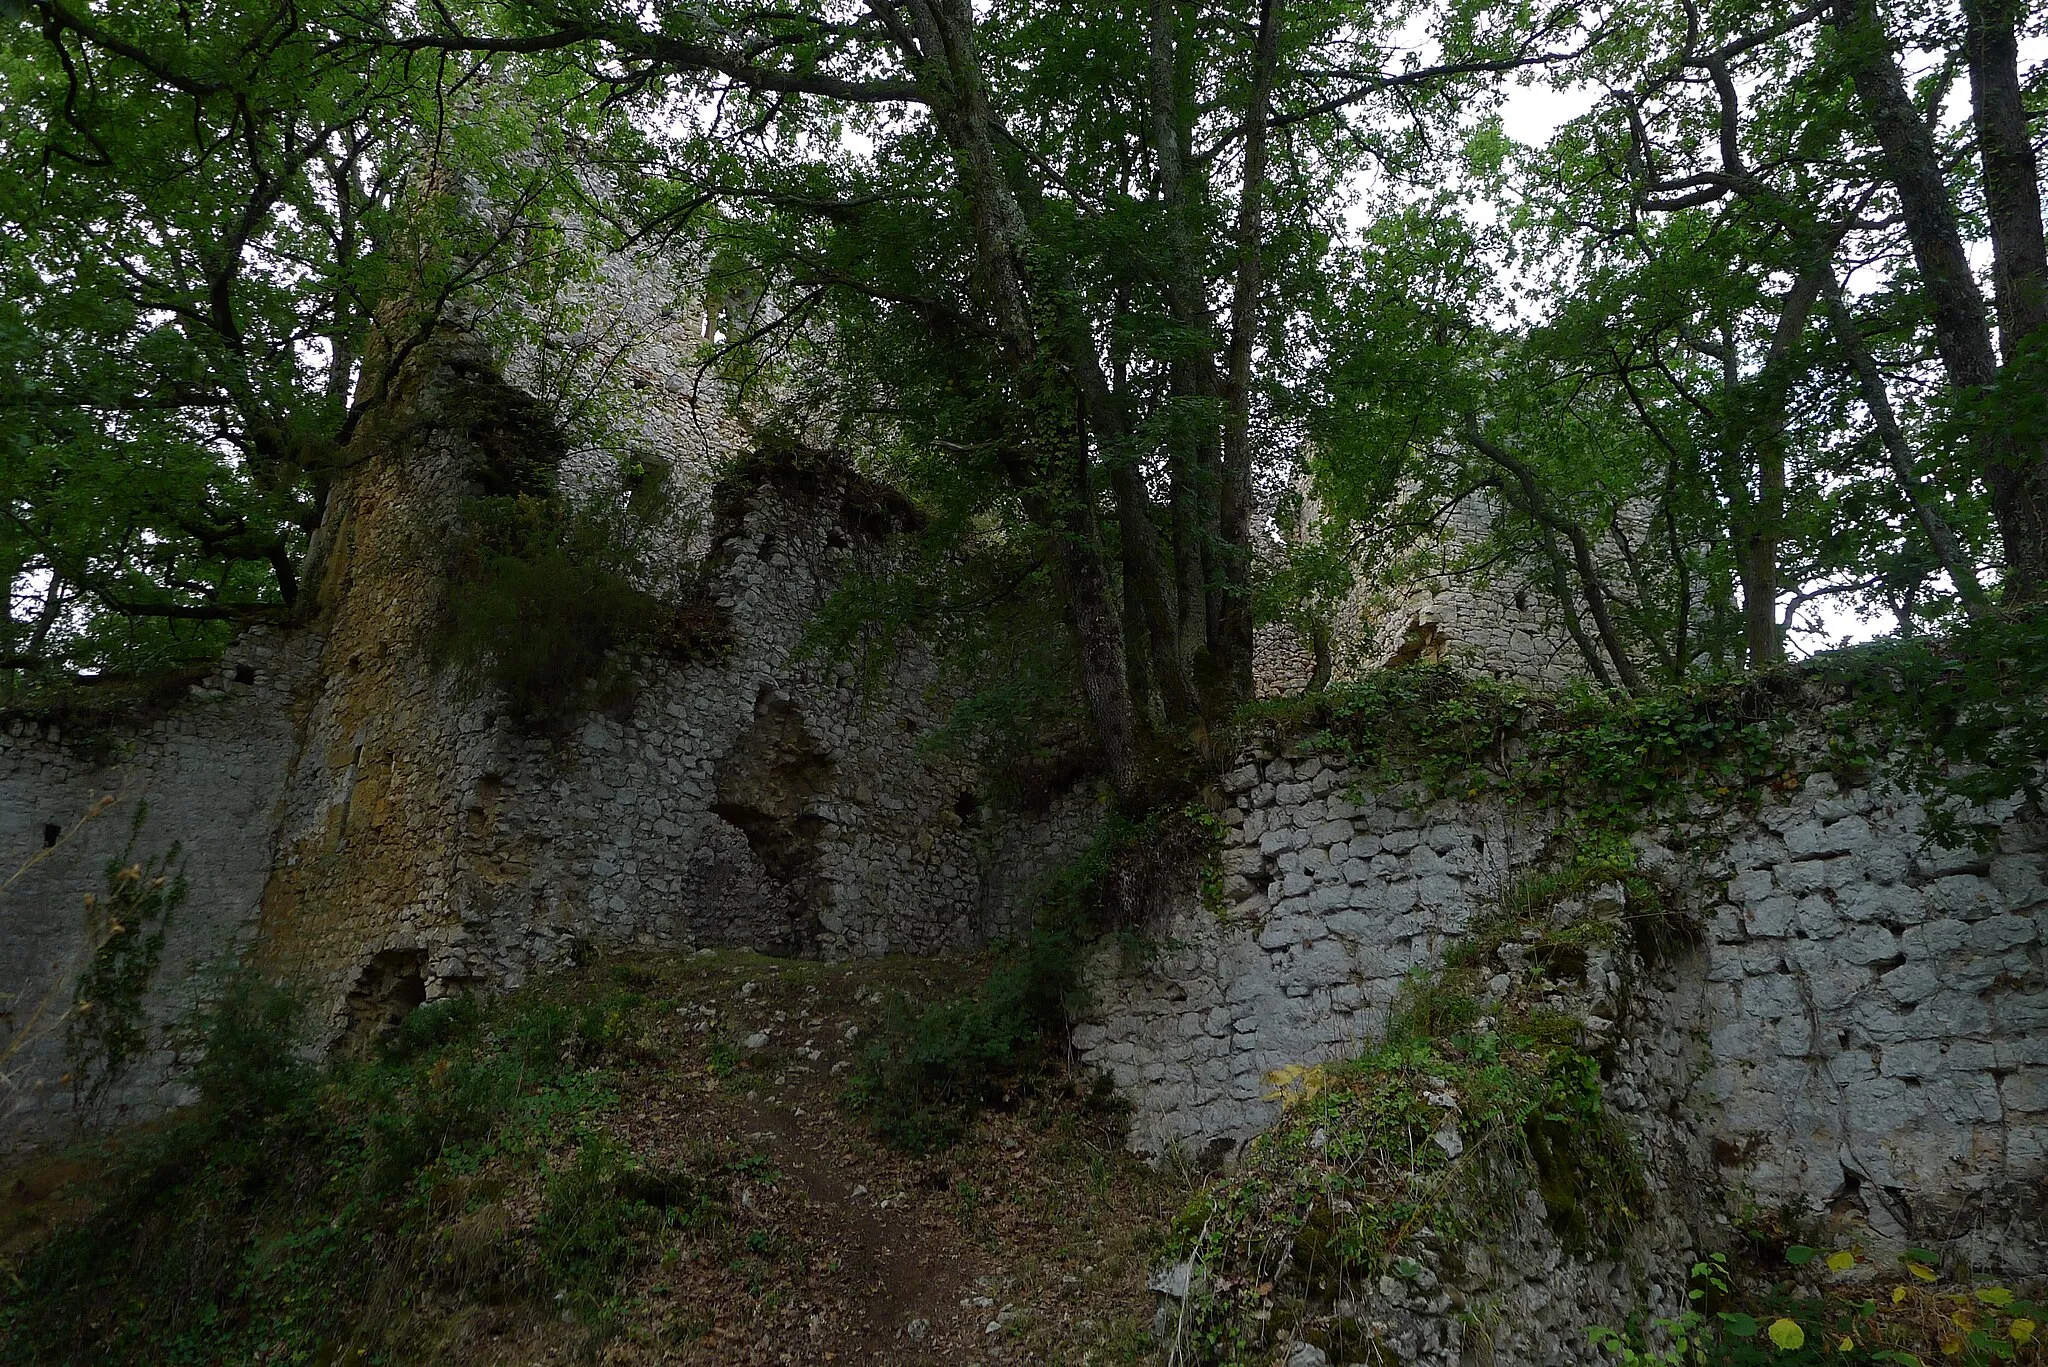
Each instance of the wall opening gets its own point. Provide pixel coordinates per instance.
(52, 833)
(388, 990)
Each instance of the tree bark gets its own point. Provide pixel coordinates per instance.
(1233, 646)
(1196, 466)
(2015, 472)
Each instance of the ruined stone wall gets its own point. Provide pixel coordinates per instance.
(208, 777)
(1861, 1034)
(362, 819)
(1437, 605)
(751, 794)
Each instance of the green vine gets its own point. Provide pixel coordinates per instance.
(107, 1029)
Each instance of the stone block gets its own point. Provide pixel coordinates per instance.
(1816, 916)
(1999, 933)
(1965, 1099)
(1772, 997)
(1329, 897)
(1868, 944)
(1330, 833)
(1751, 886)
(1911, 982)
(1796, 877)
(1770, 917)
(1880, 1105)
(2025, 1090)
(1850, 835)
(1893, 904)
(1964, 896)
(1933, 940)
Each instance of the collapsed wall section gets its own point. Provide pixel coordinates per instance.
(361, 818)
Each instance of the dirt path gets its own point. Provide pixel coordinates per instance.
(1027, 1243)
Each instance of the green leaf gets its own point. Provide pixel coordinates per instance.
(1787, 1335)
(1741, 1325)
(1799, 1255)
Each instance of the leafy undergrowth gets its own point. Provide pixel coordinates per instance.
(1389, 1162)
(933, 1067)
(635, 1162)
(1834, 1307)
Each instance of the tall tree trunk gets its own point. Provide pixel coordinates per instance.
(2019, 258)
(1233, 646)
(942, 52)
(1197, 457)
(2012, 181)
(2014, 472)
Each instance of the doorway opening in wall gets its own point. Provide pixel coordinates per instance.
(391, 985)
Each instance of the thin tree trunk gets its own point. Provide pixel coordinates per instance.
(1764, 423)
(1233, 646)
(1898, 454)
(1319, 643)
(1592, 585)
(2015, 474)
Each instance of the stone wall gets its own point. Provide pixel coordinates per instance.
(1861, 1034)
(362, 819)
(207, 777)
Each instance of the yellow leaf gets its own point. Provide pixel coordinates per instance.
(1846, 1345)
(1842, 1261)
(2021, 1330)
(1787, 1335)
(1898, 1294)
(1923, 1272)
(1952, 1346)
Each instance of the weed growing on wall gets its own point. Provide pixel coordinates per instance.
(1381, 1163)
(552, 600)
(1961, 722)
(107, 1029)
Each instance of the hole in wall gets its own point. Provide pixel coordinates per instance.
(245, 674)
(768, 785)
(52, 833)
(390, 987)
(967, 806)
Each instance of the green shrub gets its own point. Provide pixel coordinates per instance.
(300, 1210)
(552, 600)
(926, 1073)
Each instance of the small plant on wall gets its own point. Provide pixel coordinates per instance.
(107, 1029)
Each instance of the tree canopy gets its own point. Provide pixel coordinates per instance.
(1103, 286)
